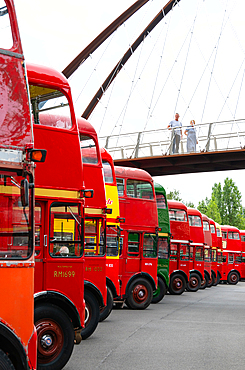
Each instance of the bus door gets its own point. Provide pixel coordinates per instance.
(173, 261)
(40, 246)
(150, 252)
(184, 256)
(64, 270)
(132, 263)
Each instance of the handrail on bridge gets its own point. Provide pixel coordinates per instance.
(215, 136)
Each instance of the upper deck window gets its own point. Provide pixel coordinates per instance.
(212, 229)
(195, 221)
(232, 235)
(5, 28)
(88, 149)
(177, 215)
(224, 234)
(120, 187)
(139, 189)
(205, 226)
(218, 232)
(50, 107)
(161, 201)
(107, 172)
(243, 238)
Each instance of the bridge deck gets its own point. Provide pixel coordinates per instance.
(188, 162)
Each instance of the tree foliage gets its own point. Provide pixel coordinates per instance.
(174, 195)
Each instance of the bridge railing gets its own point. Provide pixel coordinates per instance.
(215, 136)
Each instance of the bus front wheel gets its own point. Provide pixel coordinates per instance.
(140, 294)
(5, 363)
(55, 337)
(105, 311)
(160, 292)
(194, 283)
(233, 278)
(177, 284)
(92, 314)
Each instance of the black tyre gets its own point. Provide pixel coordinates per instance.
(194, 283)
(211, 280)
(204, 283)
(140, 294)
(105, 311)
(177, 284)
(233, 278)
(217, 279)
(92, 315)
(5, 363)
(160, 292)
(55, 337)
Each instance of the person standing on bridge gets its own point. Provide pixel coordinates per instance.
(191, 137)
(176, 126)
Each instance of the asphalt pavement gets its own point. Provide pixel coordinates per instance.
(202, 330)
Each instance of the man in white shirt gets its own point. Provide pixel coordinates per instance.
(176, 125)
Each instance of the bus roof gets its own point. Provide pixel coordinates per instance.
(229, 228)
(193, 211)
(46, 75)
(85, 127)
(176, 204)
(133, 173)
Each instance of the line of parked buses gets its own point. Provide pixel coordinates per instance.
(78, 235)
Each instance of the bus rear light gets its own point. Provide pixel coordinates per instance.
(87, 193)
(38, 155)
(121, 219)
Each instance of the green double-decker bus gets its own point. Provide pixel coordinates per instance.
(164, 244)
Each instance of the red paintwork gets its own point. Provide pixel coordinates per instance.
(16, 275)
(214, 247)
(197, 241)
(140, 217)
(95, 266)
(180, 235)
(61, 172)
(112, 263)
(208, 244)
(232, 251)
(219, 249)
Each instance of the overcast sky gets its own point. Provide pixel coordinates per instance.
(197, 40)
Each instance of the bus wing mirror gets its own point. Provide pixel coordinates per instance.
(24, 192)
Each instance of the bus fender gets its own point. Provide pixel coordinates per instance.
(60, 300)
(112, 287)
(181, 273)
(198, 273)
(148, 277)
(209, 277)
(95, 291)
(212, 271)
(11, 344)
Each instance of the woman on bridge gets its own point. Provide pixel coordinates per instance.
(191, 137)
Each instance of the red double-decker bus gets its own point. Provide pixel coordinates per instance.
(59, 231)
(95, 291)
(214, 249)
(179, 247)
(219, 251)
(138, 257)
(112, 232)
(18, 339)
(232, 254)
(208, 280)
(196, 249)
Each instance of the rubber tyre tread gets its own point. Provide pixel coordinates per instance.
(212, 280)
(90, 327)
(105, 312)
(131, 303)
(191, 289)
(229, 278)
(5, 362)
(206, 282)
(61, 318)
(160, 292)
(172, 290)
(216, 280)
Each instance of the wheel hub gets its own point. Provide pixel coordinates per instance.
(46, 341)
